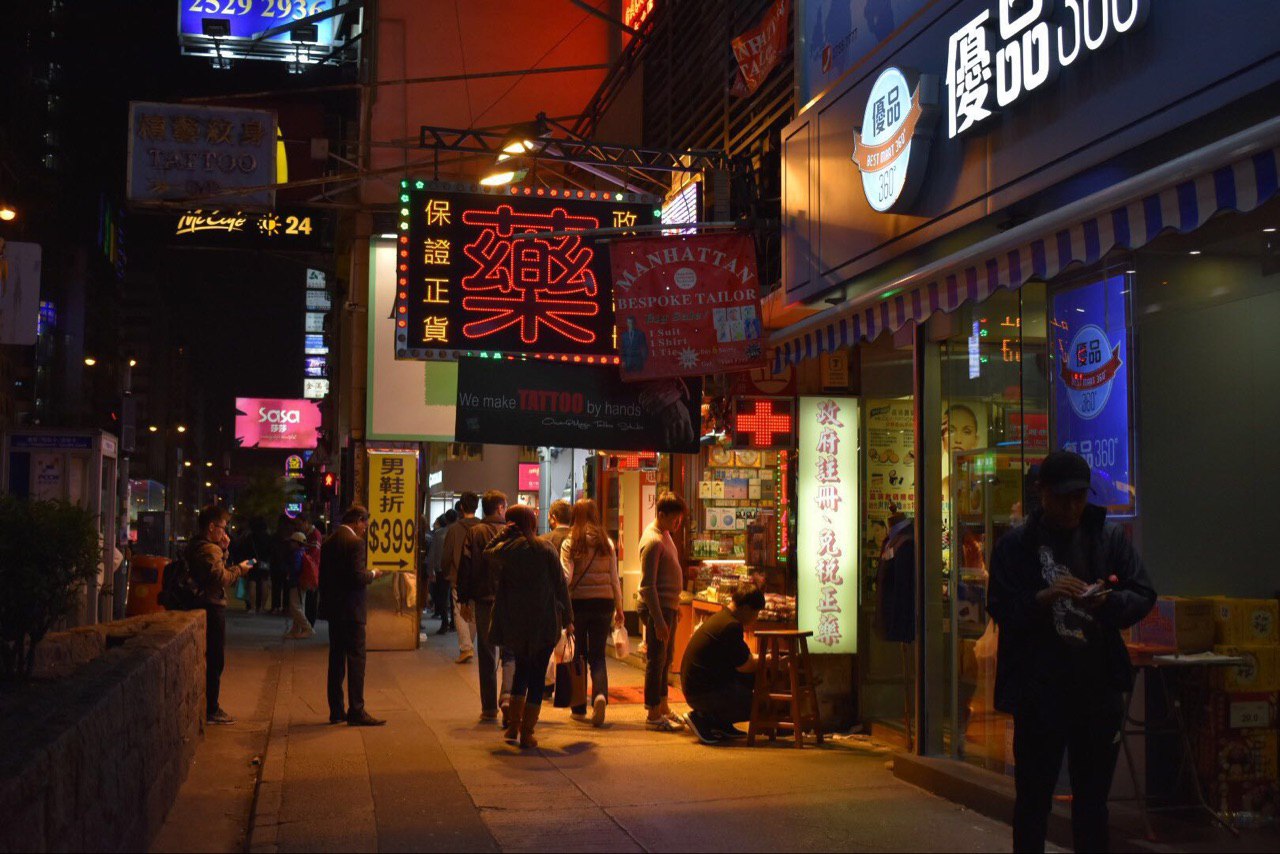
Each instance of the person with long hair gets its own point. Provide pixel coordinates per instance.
(530, 607)
(590, 564)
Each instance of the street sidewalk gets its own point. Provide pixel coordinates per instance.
(436, 779)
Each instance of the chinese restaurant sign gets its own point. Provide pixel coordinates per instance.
(687, 306)
(827, 545)
(471, 280)
(535, 402)
(393, 500)
(758, 50)
(1091, 387)
(1019, 49)
(181, 151)
(270, 423)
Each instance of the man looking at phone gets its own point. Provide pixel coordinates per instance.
(1063, 585)
(344, 578)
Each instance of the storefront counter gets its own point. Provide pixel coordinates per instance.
(692, 615)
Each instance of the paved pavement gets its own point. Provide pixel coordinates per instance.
(435, 779)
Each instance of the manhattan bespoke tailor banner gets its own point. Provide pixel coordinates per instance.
(473, 278)
(270, 423)
(515, 402)
(1091, 407)
(687, 305)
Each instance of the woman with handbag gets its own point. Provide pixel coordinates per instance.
(590, 563)
(531, 606)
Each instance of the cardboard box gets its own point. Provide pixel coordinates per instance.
(1246, 621)
(1259, 673)
(1183, 625)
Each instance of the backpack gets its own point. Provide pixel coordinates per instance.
(310, 576)
(178, 590)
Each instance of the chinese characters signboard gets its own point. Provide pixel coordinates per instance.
(574, 406)
(827, 546)
(181, 151)
(687, 306)
(1030, 51)
(269, 423)
(393, 498)
(1091, 387)
(472, 280)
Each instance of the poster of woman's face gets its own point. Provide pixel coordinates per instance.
(960, 429)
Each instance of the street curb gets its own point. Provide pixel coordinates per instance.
(268, 793)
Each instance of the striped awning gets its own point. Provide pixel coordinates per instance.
(1240, 186)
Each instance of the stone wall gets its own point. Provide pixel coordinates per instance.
(94, 760)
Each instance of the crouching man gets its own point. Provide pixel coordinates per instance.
(717, 674)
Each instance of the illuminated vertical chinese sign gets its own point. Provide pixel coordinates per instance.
(827, 536)
(473, 277)
(392, 542)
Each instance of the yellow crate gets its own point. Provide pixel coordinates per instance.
(1246, 621)
(1260, 672)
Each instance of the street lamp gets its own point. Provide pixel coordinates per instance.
(90, 361)
(8, 212)
(182, 428)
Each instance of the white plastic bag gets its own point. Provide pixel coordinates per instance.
(621, 642)
(564, 651)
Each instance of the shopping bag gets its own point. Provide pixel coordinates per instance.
(564, 651)
(571, 683)
(549, 682)
(241, 592)
(621, 642)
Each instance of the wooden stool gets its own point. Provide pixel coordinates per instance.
(784, 696)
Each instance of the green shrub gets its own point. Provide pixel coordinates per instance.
(48, 550)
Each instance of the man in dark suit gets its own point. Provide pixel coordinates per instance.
(343, 579)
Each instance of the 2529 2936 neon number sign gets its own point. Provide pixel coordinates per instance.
(473, 277)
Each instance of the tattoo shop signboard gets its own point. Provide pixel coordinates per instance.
(827, 544)
(574, 405)
(181, 151)
(687, 306)
(473, 278)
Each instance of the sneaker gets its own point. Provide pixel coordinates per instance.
(729, 731)
(464, 657)
(597, 710)
(702, 728)
(580, 717)
(662, 725)
(218, 716)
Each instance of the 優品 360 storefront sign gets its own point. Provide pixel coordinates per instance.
(994, 61)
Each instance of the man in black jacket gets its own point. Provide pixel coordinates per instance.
(1063, 585)
(206, 557)
(343, 582)
(476, 591)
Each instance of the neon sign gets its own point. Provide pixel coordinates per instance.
(474, 279)
(761, 422)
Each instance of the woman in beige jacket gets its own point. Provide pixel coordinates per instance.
(590, 564)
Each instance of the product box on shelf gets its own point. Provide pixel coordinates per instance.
(1181, 624)
(1236, 755)
(1246, 621)
(1242, 711)
(1260, 671)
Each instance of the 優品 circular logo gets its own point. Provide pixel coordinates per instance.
(883, 148)
(1088, 368)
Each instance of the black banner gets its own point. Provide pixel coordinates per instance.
(513, 402)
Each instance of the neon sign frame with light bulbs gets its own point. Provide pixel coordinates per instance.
(472, 282)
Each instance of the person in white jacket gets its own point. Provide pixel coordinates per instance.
(590, 564)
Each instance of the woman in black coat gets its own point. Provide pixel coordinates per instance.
(530, 608)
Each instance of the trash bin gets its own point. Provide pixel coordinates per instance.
(146, 573)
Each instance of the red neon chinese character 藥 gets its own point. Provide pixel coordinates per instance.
(531, 283)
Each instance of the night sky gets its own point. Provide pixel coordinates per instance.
(241, 311)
